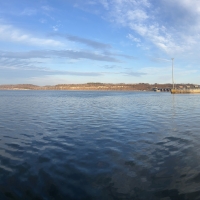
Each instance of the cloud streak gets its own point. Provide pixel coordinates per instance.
(21, 65)
(136, 74)
(14, 67)
(29, 12)
(12, 34)
(68, 54)
(29, 73)
(91, 43)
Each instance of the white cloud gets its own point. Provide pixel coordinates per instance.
(42, 21)
(171, 25)
(136, 15)
(134, 39)
(105, 3)
(55, 28)
(10, 33)
(47, 8)
(29, 12)
(190, 5)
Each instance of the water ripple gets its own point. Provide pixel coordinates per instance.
(99, 145)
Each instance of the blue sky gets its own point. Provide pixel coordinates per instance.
(47, 42)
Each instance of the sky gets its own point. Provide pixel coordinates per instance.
(48, 42)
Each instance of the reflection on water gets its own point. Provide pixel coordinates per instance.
(99, 145)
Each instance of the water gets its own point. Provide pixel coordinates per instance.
(99, 145)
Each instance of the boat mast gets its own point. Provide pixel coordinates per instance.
(173, 72)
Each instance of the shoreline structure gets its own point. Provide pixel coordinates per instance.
(185, 91)
(183, 88)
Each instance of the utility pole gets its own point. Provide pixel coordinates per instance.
(173, 72)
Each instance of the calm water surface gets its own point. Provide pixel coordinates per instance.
(99, 145)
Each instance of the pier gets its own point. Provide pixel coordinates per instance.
(181, 89)
(185, 91)
(162, 89)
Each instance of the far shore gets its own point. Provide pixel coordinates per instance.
(97, 87)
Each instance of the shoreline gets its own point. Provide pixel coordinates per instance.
(97, 87)
(76, 90)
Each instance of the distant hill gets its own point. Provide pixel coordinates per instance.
(96, 86)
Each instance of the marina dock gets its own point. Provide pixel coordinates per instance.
(185, 91)
(181, 89)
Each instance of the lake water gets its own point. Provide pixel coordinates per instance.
(99, 145)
